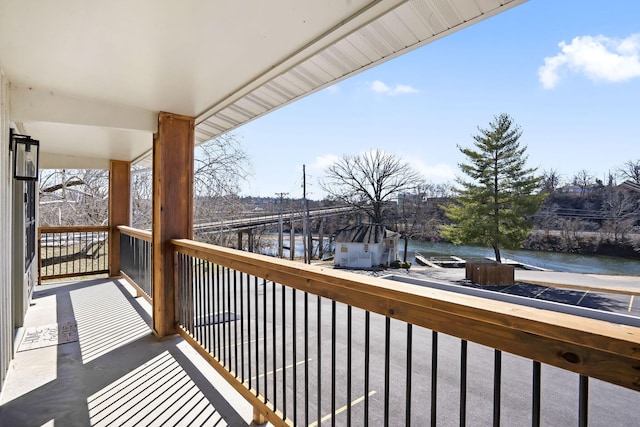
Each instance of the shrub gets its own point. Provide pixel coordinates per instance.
(401, 264)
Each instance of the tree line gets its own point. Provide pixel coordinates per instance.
(497, 201)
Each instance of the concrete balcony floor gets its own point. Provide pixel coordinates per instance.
(116, 372)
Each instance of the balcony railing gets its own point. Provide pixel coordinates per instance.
(135, 259)
(309, 345)
(72, 251)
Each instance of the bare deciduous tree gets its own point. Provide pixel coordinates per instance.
(620, 210)
(221, 164)
(583, 179)
(80, 197)
(74, 197)
(551, 180)
(631, 171)
(370, 180)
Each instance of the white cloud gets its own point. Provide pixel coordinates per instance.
(598, 58)
(438, 173)
(380, 87)
(321, 163)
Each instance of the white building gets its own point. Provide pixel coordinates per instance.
(365, 246)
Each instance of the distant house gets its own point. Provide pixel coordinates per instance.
(365, 246)
(630, 186)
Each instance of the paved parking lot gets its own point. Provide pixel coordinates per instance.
(612, 302)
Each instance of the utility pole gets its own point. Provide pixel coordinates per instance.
(280, 226)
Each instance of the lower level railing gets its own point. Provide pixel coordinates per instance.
(135, 259)
(309, 346)
(72, 251)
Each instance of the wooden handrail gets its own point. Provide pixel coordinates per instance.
(590, 347)
(135, 232)
(73, 228)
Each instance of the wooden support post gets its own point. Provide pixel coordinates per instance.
(172, 210)
(119, 209)
(321, 239)
(280, 237)
(250, 239)
(258, 417)
(292, 241)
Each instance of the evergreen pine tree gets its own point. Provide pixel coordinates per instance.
(494, 207)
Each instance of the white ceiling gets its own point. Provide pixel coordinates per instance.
(89, 77)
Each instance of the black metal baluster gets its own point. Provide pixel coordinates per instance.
(407, 415)
(367, 317)
(219, 325)
(185, 291)
(209, 322)
(188, 274)
(349, 354)
(319, 355)
(583, 397)
(257, 335)
(434, 378)
(222, 319)
(535, 416)
(333, 363)
(67, 253)
(219, 300)
(189, 288)
(294, 305)
(274, 343)
(497, 386)
(189, 294)
(387, 357)
(463, 383)
(200, 317)
(264, 335)
(195, 265)
(306, 359)
(181, 278)
(284, 354)
(73, 242)
(241, 329)
(235, 322)
(227, 319)
(248, 280)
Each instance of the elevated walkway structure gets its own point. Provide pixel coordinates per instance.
(269, 219)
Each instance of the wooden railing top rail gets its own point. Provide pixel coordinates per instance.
(135, 232)
(594, 348)
(73, 228)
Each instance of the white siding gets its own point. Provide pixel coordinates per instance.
(6, 318)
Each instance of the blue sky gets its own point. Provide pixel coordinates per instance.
(568, 72)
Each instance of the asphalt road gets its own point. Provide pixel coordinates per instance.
(319, 363)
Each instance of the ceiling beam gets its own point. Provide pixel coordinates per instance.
(34, 105)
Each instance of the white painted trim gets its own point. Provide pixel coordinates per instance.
(33, 105)
(59, 161)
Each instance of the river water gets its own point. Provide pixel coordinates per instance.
(557, 261)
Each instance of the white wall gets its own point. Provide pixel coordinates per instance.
(352, 255)
(6, 268)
